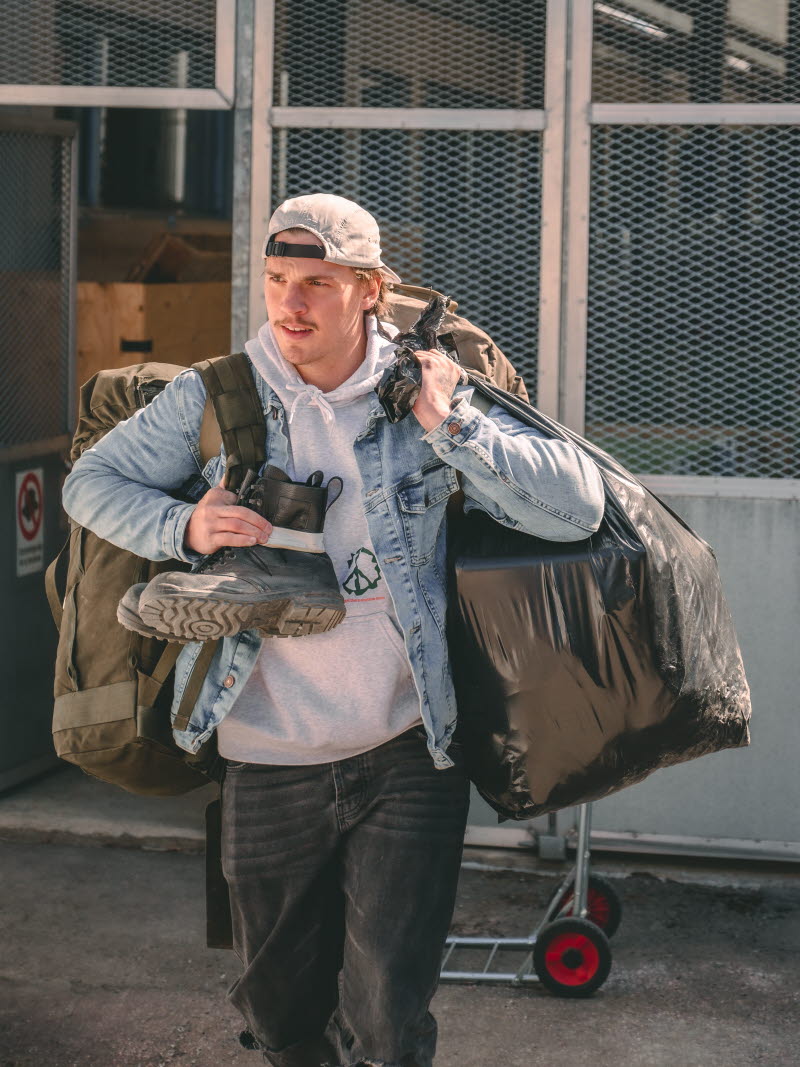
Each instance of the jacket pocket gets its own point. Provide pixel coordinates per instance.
(421, 499)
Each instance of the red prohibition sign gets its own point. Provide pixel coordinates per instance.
(29, 506)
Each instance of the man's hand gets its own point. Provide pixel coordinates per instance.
(440, 376)
(217, 521)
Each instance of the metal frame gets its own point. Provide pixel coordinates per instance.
(582, 115)
(694, 114)
(731, 488)
(220, 98)
(260, 154)
(574, 330)
(524, 975)
(551, 249)
(70, 235)
(407, 118)
(255, 143)
(242, 139)
(28, 123)
(566, 124)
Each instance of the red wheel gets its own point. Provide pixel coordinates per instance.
(602, 902)
(572, 957)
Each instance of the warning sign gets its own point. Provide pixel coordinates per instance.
(30, 527)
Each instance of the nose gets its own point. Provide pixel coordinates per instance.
(294, 300)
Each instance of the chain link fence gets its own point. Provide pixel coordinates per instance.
(114, 43)
(428, 190)
(396, 53)
(458, 208)
(694, 290)
(35, 212)
(697, 51)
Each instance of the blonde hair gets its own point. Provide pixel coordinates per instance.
(366, 275)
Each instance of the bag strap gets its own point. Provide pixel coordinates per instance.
(421, 292)
(54, 598)
(233, 417)
(195, 684)
(166, 662)
(522, 410)
(232, 397)
(529, 415)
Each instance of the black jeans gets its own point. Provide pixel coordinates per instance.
(342, 879)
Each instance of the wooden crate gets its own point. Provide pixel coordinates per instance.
(120, 323)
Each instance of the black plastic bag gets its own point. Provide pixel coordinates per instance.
(582, 667)
(401, 382)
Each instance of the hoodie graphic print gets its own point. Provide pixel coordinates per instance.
(328, 696)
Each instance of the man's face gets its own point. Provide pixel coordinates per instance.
(316, 309)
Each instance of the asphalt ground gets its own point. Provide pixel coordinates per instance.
(104, 964)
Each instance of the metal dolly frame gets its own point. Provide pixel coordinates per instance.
(568, 951)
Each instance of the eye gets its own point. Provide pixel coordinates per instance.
(316, 281)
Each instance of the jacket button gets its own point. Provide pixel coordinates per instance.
(229, 681)
(454, 428)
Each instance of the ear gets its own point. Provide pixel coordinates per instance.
(372, 287)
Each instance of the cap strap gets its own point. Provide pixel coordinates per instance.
(281, 248)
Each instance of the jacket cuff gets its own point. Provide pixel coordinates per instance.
(174, 532)
(454, 429)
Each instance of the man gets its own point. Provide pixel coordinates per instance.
(345, 798)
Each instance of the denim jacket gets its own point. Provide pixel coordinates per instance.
(120, 490)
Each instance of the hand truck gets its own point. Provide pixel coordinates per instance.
(569, 951)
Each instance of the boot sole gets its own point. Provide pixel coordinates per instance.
(134, 623)
(195, 619)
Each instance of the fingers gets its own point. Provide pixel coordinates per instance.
(429, 358)
(234, 531)
(236, 526)
(241, 519)
(439, 370)
(224, 539)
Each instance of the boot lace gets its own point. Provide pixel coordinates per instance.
(222, 557)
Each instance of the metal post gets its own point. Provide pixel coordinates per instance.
(582, 855)
(552, 845)
(242, 174)
(261, 152)
(70, 239)
(574, 317)
(551, 248)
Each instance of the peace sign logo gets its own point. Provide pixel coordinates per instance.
(364, 573)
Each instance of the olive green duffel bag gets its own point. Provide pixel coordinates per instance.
(114, 687)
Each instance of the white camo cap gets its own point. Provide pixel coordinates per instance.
(349, 234)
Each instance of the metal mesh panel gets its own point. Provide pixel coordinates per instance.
(142, 43)
(34, 286)
(693, 363)
(458, 210)
(697, 51)
(395, 53)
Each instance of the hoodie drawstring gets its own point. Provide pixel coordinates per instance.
(314, 397)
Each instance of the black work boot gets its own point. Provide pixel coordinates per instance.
(286, 588)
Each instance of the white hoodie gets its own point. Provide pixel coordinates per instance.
(328, 696)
